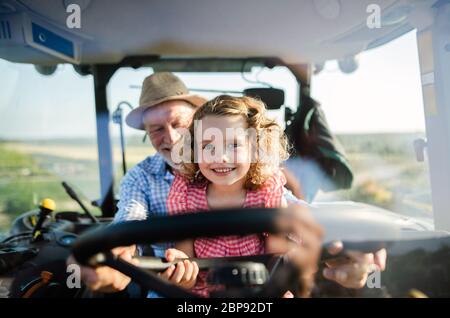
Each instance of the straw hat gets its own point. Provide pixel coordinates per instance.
(157, 88)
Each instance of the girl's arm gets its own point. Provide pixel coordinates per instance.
(186, 246)
(293, 184)
(284, 203)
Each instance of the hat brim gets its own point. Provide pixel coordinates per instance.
(134, 118)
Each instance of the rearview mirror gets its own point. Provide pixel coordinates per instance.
(272, 97)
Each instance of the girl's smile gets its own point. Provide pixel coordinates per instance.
(223, 171)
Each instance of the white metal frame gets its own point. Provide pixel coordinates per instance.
(435, 71)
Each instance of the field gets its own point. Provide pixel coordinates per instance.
(386, 173)
(32, 171)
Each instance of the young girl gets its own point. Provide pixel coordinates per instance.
(236, 152)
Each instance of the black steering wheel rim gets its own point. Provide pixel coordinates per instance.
(100, 241)
(181, 227)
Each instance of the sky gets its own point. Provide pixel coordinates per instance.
(382, 95)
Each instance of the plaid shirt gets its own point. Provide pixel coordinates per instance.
(143, 194)
(186, 197)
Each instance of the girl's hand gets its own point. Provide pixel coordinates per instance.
(184, 274)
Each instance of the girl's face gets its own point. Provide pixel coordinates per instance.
(223, 149)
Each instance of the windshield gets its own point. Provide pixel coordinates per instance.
(48, 131)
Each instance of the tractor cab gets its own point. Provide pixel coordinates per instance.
(358, 86)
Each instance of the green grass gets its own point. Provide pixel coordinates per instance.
(15, 164)
(24, 183)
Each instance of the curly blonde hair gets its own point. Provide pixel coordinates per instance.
(275, 146)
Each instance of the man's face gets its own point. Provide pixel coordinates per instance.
(161, 123)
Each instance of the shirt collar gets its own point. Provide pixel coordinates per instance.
(159, 166)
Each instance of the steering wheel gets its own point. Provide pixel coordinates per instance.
(93, 249)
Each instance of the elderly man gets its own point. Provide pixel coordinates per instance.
(165, 105)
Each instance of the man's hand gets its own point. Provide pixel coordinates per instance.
(306, 254)
(184, 274)
(353, 272)
(104, 279)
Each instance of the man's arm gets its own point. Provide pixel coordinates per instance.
(132, 206)
(133, 203)
(292, 199)
(104, 279)
(354, 272)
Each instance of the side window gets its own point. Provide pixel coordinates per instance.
(47, 135)
(377, 114)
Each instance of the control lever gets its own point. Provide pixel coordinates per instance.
(75, 197)
(46, 207)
